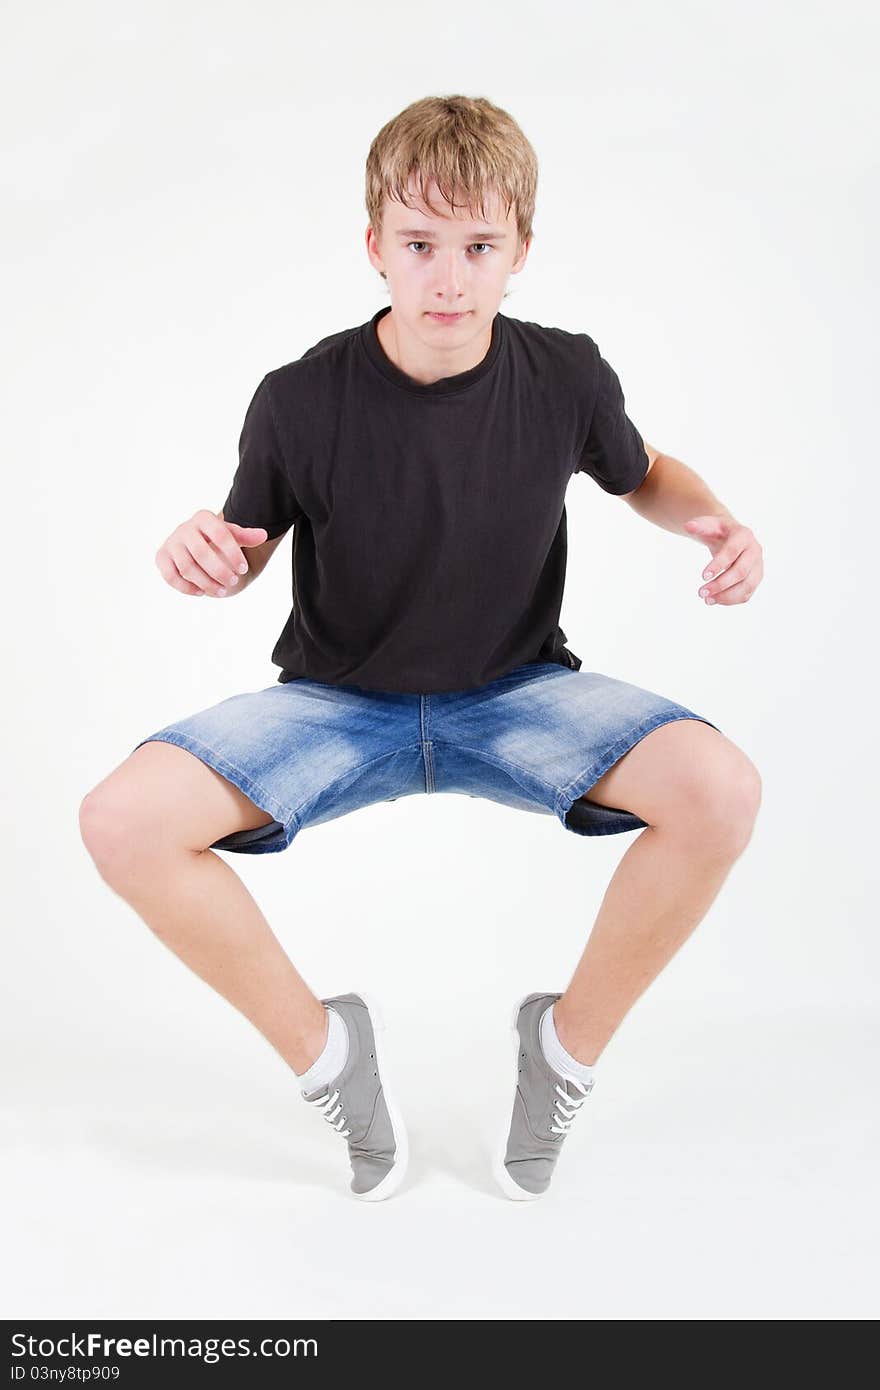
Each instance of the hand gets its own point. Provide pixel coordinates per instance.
(205, 554)
(737, 565)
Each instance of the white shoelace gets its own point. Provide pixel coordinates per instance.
(565, 1118)
(327, 1103)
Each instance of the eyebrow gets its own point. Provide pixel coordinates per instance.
(423, 235)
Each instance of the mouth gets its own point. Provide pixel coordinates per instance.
(448, 318)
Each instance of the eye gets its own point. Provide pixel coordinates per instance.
(474, 243)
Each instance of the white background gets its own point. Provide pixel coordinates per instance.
(184, 211)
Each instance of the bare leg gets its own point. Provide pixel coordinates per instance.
(700, 795)
(147, 827)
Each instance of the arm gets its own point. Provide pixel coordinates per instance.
(257, 556)
(671, 494)
(261, 496)
(674, 497)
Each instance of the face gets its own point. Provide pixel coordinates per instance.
(446, 274)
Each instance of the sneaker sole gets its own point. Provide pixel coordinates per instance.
(395, 1176)
(502, 1177)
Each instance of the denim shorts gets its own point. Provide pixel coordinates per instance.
(535, 739)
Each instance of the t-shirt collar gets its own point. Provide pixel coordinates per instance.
(447, 385)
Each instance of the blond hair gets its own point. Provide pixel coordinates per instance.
(464, 144)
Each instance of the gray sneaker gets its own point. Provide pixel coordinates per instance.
(544, 1106)
(357, 1104)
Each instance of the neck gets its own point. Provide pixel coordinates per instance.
(427, 362)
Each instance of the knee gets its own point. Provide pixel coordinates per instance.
(722, 800)
(107, 826)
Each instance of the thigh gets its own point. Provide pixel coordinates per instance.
(544, 737)
(302, 752)
(673, 774)
(163, 794)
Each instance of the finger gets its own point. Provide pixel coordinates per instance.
(172, 576)
(749, 561)
(737, 571)
(735, 593)
(196, 562)
(726, 556)
(221, 535)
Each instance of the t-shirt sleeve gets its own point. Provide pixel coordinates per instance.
(614, 452)
(261, 493)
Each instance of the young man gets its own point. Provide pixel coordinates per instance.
(422, 460)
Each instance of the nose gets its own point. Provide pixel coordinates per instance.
(450, 273)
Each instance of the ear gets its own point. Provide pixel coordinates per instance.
(521, 256)
(373, 251)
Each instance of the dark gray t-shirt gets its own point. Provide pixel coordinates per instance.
(429, 524)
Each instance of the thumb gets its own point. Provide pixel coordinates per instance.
(248, 535)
